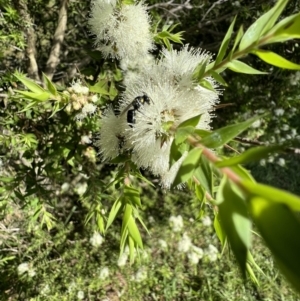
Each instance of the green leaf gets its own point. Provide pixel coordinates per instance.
(175, 153)
(218, 78)
(225, 42)
(223, 135)
(132, 196)
(188, 166)
(251, 155)
(242, 173)
(235, 220)
(286, 29)
(100, 222)
(7, 179)
(204, 175)
(57, 107)
(280, 228)
(207, 85)
(100, 87)
(251, 274)
(131, 249)
(219, 229)
(275, 59)
(237, 40)
(273, 194)
(35, 96)
(31, 85)
(200, 70)
(190, 122)
(262, 25)
(183, 133)
(134, 232)
(241, 67)
(51, 87)
(114, 211)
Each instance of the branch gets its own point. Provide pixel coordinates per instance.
(54, 60)
(33, 70)
(290, 150)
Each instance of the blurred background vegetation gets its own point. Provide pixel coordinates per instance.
(70, 262)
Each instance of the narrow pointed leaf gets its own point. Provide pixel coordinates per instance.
(275, 59)
(31, 85)
(134, 232)
(287, 29)
(274, 194)
(280, 228)
(218, 78)
(235, 220)
(223, 135)
(35, 96)
(251, 155)
(188, 166)
(51, 87)
(262, 25)
(219, 230)
(237, 40)
(113, 212)
(240, 67)
(225, 42)
(204, 175)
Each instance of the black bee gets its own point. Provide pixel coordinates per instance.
(136, 104)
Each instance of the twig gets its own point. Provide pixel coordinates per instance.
(291, 150)
(33, 70)
(59, 34)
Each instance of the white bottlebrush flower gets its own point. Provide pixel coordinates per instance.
(23, 268)
(111, 137)
(174, 98)
(80, 295)
(85, 139)
(45, 290)
(104, 273)
(193, 258)
(89, 109)
(163, 244)
(140, 275)
(94, 98)
(78, 88)
(184, 244)
(212, 253)
(176, 222)
(256, 124)
(31, 272)
(72, 286)
(281, 162)
(122, 259)
(195, 254)
(96, 240)
(279, 112)
(206, 221)
(81, 188)
(122, 32)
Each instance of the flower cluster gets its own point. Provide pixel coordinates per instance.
(122, 31)
(96, 240)
(80, 99)
(195, 253)
(173, 97)
(176, 223)
(25, 267)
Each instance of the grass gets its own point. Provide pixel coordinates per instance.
(67, 267)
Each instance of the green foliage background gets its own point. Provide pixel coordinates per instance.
(63, 258)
